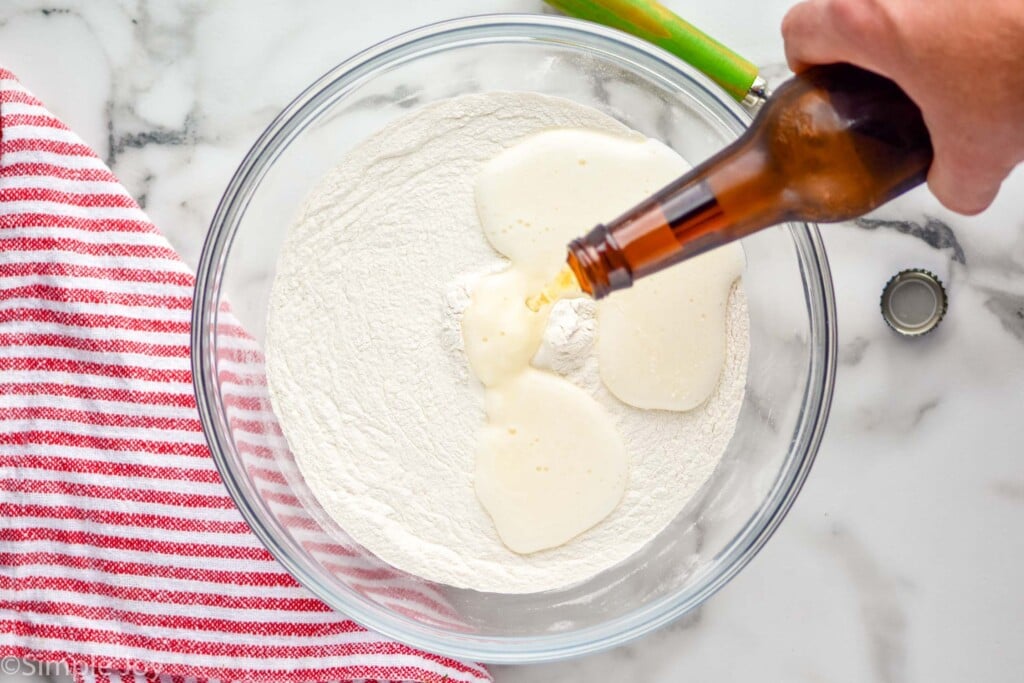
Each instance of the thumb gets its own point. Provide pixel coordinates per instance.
(963, 183)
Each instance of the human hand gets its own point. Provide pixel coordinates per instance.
(961, 62)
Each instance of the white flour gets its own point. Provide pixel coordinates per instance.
(371, 385)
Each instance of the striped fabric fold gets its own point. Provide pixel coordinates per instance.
(121, 553)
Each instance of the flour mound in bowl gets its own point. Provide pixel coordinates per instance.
(370, 381)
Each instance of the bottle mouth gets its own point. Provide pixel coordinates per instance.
(598, 264)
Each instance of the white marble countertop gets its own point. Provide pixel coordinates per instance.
(900, 561)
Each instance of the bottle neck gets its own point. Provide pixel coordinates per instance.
(723, 199)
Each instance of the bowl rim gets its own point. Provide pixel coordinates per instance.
(503, 649)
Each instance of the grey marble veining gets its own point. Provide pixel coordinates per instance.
(1009, 308)
(932, 232)
(901, 560)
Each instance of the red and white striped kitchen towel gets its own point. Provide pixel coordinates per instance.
(120, 550)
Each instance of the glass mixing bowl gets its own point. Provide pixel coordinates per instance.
(791, 365)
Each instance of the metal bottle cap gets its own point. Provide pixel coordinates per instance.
(914, 302)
